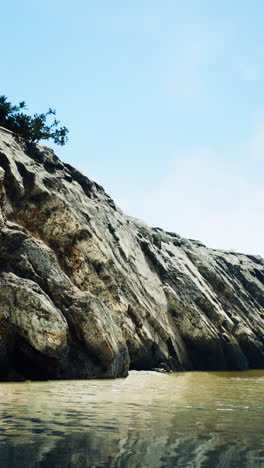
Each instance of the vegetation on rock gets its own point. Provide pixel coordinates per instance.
(32, 129)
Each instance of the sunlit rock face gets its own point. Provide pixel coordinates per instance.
(86, 291)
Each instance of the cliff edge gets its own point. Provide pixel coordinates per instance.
(86, 291)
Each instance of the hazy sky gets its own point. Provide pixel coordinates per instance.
(164, 101)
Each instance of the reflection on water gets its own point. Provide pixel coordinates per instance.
(195, 419)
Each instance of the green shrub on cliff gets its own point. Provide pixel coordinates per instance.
(32, 129)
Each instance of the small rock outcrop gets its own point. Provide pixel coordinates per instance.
(86, 291)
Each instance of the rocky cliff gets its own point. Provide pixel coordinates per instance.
(86, 291)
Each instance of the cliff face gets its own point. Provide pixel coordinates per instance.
(86, 291)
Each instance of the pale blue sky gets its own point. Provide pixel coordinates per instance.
(164, 101)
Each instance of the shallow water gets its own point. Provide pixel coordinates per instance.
(195, 419)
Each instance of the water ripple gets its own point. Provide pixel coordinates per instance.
(155, 420)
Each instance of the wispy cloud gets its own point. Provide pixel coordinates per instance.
(249, 71)
(206, 195)
(256, 144)
(186, 80)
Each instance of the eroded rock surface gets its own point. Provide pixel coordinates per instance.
(86, 291)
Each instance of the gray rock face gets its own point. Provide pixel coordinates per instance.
(86, 291)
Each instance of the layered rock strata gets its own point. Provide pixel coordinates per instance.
(86, 291)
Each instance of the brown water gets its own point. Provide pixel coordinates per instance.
(195, 419)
